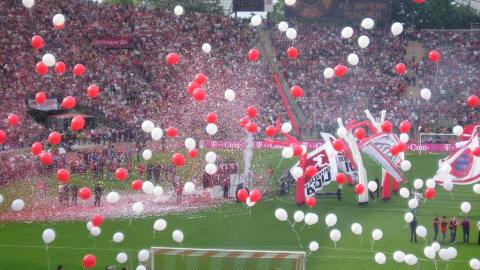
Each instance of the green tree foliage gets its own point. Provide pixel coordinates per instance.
(277, 15)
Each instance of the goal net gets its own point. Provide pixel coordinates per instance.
(219, 259)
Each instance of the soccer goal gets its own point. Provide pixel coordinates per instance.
(166, 258)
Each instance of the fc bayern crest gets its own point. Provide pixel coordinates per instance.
(463, 164)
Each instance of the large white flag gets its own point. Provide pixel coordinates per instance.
(344, 164)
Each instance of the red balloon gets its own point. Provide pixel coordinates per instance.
(137, 184)
(255, 195)
(297, 150)
(41, 68)
(78, 123)
(193, 153)
(37, 148)
(360, 133)
(296, 91)
(89, 261)
(92, 91)
(40, 97)
(251, 111)
(121, 174)
(404, 126)
(54, 138)
(253, 55)
(473, 101)
(78, 70)
(310, 171)
(270, 131)
(69, 102)
(97, 220)
(400, 68)
(419, 1)
(171, 132)
(430, 193)
(402, 147)
(199, 94)
(192, 86)
(12, 119)
(200, 78)
(341, 178)
(387, 126)
(212, 118)
(172, 58)
(37, 42)
(340, 70)
(337, 145)
(3, 137)
(292, 52)
(178, 159)
(359, 189)
(242, 195)
(60, 68)
(46, 158)
(476, 151)
(434, 56)
(244, 121)
(310, 201)
(251, 127)
(63, 175)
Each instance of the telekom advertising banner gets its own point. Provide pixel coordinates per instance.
(312, 145)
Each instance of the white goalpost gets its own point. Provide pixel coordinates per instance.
(232, 259)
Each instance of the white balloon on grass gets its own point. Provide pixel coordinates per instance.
(452, 253)
(287, 152)
(113, 197)
(157, 134)
(474, 264)
(458, 130)
(399, 256)
(443, 254)
(143, 255)
(48, 59)
(286, 127)
(357, 228)
(430, 183)
(367, 23)
(335, 235)
(147, 154)
(178, 10)
(328, 73)
(406, 165)
(48, 236)
(298, 216)
(211, 168)
(411, 259)
(465, 207)
(363, 41)
(211, 129)
(380, 258)
(372, 186)
(95, 231)
(313, 246)
(190, 144)
(429, 252)
(118, 237)
(413, 203)
(137, 208)
(296, 172)
(311, 219)
(426, 94)
(283, 26)
(421, 231)
(157, 191)
(404, 193)
(352, 59)
(210, 157)
(291, 33)
(229, 95)
(28, 3)
(331, 220)
(435, 246)
(89, 226)
(122, 257)
(408, 217)
(177, 236)
(347, 32)
(256, 20)
(290, 2)
(377, 234)
(281, 214)
(206, 48)
(396, 28)
(189, 188)
(141, 267)
(148, 126)
(448, 185)
(160, 225)
(418, 183)
(476, 189)
(249, 202)
(404, 137)
(18, 205)
(147, 187)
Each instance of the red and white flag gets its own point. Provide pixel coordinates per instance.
(344, 160)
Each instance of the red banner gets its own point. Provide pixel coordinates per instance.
(113, 42)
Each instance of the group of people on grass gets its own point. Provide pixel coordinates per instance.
(441, 225)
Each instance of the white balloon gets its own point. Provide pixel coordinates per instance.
(331, 220)
(363, 41)
(178, 10)
(157, 191)
(1, 198)
(397, 28)
(380, 258)
(404, 193)
(465, 207)
(399, 256)
(141, 267)
(147, 187)
(287, 152)
(347, 32)
(291, 33)
(211, 168)
(372, 186)
(147, 154)
(421, 231)
(448, 185)
(411, 259)
(357, 228)
(418, 183)
(157, 134)
(328, 73)
(206, 48)
(281, 214)
(290, 2)
(18, 204)
(190, 144)
(335, 235)
(283, 26)
(313, 246)
(311, 219)
(211, 129)
(413, 203)
(160, 225)
(256, 20)
(436, 246)
(249, 202)
(405, 165)
(298, 216)
(58, 19)
(443, 254)
(296, 172)
(95, 231)
(342, 132)
(189, 188)
(425, 93)
(476, 189)
(122, 257)
(210, 157)
(458, 130)
(229, 95)
(137, 208)
(28, 3)
(452, 253)
(143, 255)
(404, 137)
(148, 126)
(474, 264)
(89, 226)
(409, 217)
(352, 59)
(367, 23)
(48, 236)
(118, 237)
(177, 236)
(286, 127)
(49, 60)
(113, 197)
(377, 234)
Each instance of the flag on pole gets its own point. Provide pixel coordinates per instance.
(345, 163)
